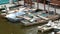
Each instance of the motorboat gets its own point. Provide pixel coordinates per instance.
(31, 19)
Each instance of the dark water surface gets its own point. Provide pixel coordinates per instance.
(15, 28)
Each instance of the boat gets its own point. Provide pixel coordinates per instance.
(50, 16)
(31, 20)
(46, 14)
(33, 16)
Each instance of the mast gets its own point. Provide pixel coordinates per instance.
(44, 5)
(30, 3)
(38, 3)
(48, 6)
(25, 2)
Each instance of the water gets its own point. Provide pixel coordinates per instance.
(5, 1)
(15, 28)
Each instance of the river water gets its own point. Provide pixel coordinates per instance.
(7, 27)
